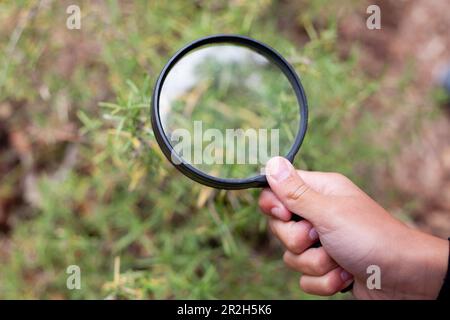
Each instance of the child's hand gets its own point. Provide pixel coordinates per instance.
(355, 233)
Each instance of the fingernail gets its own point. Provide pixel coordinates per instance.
(313, 235)
(277, 168)
(345, 276)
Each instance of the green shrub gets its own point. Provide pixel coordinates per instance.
(124, 202)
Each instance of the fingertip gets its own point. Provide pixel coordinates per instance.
(265, 201)
(292, 191)
(277, 170)
(262, 198)
(270, 205)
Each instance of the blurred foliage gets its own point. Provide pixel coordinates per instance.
(121, 200)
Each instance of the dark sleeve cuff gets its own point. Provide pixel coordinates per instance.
(444, 294)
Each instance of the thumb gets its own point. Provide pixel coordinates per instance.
(293, 192)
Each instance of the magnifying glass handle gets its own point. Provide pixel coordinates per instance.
(317, 244)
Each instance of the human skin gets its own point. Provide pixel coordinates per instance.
(355, 233)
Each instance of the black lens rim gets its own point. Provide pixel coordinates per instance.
(188, 169)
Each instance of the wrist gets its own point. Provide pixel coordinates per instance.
(426, 259)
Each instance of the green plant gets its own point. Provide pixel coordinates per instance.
(122, 201)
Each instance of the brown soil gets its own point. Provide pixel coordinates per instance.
(413, 40)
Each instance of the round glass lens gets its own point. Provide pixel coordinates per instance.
(227, 109)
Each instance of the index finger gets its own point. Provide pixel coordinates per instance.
(270, 205)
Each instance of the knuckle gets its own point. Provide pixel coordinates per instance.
(286, 257)
(294, 241)
(330, 286)
(339, 177)
(295, 193)
(303, 286)
(307, 288)
(292, 244)
(318, 263)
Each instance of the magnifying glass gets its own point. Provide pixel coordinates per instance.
(223, 106)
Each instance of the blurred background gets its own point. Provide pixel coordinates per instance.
(83, 182)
